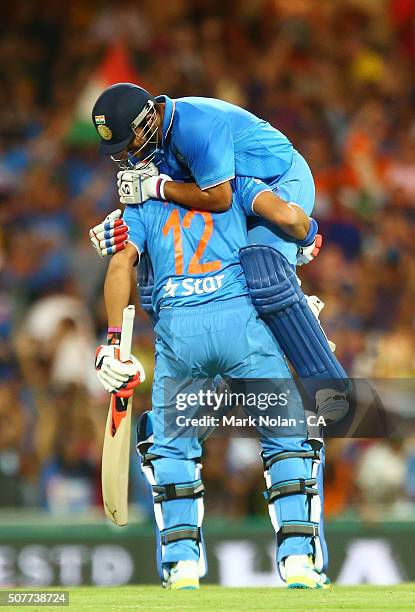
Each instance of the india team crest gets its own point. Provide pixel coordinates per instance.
(104, 131)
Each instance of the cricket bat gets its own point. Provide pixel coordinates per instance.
(116, 449)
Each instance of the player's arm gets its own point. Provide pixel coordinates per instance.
(117, 287)
(117, 376)
(289, 217)
(134, 187)
(293, 221)
(214, 199)
(257, 198)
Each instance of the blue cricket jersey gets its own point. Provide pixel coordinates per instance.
(211, 141)
(194, 253)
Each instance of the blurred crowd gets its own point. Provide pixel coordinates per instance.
(337, 78)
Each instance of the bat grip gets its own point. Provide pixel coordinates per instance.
(127, 332)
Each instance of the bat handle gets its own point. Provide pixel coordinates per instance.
(127, 332)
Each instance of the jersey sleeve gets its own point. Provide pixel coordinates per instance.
(208, 150)
(247, 190)
(133, 217)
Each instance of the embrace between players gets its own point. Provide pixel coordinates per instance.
(217, 206)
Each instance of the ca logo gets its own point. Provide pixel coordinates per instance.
(126, 188)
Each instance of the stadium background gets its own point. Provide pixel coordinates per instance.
(337, 78)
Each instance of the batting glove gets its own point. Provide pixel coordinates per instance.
(109, 236)
(118, 377)
(135, 186)
(332, 405)
(316, 306)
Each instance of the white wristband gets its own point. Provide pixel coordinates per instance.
(163, 179)
(161, 188)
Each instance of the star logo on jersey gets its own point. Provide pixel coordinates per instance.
(170, 288)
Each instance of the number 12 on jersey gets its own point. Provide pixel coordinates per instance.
(173, 225)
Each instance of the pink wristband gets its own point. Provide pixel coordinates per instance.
(114, 329)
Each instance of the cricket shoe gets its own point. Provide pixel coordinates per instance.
(300, 573)
(184, 575)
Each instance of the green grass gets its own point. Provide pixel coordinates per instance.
(220, 599)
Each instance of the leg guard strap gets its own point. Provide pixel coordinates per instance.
(312, 454)
(148, 458)
(178, 491)
(292, 528)
(180, 532)
(282, 489)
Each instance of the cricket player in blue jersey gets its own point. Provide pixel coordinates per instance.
(200, 145)
(208, 327)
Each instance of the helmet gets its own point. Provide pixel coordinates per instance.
(121, 112)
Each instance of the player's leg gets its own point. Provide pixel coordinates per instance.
(170, 459)
(278, 297)
(178, 508)
(293, 464)
(269, 266)
(293, 470)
